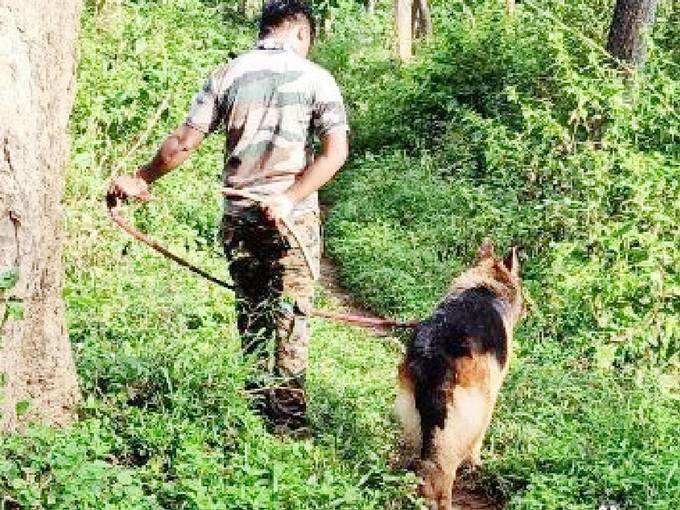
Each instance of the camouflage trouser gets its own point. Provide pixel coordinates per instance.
(275, 291)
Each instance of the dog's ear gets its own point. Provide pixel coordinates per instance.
(485, 251)
(511, 261)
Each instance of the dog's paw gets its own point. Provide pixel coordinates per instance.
(473, 460)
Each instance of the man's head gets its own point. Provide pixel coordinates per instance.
(289, 21)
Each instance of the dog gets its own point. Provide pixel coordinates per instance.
(453, 369)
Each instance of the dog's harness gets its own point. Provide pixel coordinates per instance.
(360, 320)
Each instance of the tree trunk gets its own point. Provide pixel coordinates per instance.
(415, 19)
(402, 9)
(631, 23)
(509, 6)
(370, 6)
(249, 7)
(37, 64)
(421, 19)
(327, 25)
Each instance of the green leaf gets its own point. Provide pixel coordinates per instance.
(15, 309)
(21, 407)
(140, 45)
(9, 278)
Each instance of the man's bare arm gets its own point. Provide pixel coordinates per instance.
(174, 151)
(334, 150)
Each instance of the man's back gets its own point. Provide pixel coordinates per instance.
(269, 100)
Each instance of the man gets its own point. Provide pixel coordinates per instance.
(270, 101)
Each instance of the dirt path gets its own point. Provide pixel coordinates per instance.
(341, 299)
(466, 494)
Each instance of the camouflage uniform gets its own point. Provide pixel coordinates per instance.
(271, 102)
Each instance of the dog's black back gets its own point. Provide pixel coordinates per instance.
(462, 324)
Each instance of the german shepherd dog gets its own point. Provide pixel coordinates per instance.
(454, 366)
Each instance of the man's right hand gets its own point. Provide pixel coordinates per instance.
(129, 186)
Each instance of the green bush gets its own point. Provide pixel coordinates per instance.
(530, 142)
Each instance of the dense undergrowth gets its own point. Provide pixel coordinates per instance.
(513, 129)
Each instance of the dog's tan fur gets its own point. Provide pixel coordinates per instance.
(470, 391)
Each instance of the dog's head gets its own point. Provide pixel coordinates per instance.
(505, 273)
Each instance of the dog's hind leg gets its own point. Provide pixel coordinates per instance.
(437, 476)
(452, 444)
(475, 455)
(438, 470)
(409, 417)
(490, 392)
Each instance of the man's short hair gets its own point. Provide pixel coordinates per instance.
(276, 12)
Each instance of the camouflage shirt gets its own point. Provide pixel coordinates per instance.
(270, 101)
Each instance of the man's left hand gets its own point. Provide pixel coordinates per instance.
(278, 208)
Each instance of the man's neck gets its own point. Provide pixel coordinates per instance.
(276, 42)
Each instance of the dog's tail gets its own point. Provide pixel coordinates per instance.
(429, 369)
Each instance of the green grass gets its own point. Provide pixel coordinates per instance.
(493, 130)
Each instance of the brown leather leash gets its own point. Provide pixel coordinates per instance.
(359, 320)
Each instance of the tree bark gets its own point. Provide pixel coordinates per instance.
(37, 78)
(421, 19)
(402, 10)
(327, 25)
(631, 23)
(249, 7)
(509, 6)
